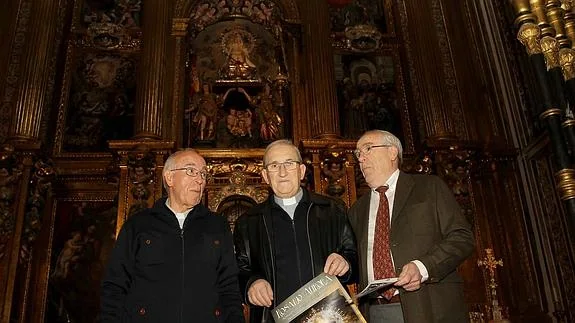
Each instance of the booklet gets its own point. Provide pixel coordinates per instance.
(376, 285)
(322, 299)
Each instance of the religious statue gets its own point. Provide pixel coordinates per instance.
(204, 108)
(239, 121)
(237, 46)
(269, 118)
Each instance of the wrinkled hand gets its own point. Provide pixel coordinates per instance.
(260, 293)
(409, 278)
(335, 265)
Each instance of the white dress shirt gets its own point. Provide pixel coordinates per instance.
(373, 206)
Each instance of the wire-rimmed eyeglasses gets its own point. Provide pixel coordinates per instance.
(289, 165)
(193, 172)
(366, 150)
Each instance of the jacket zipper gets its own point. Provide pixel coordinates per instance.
(297, 252)
(265, 311)
(183, 278)
(309, 240)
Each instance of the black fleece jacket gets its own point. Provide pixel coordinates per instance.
(158, 272)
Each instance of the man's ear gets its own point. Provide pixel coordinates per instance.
(302, 171)
(394, 153)
(265, 176)
(169, 178)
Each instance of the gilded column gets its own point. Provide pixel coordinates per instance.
(33, 85)
(150, 92)
(322, 109)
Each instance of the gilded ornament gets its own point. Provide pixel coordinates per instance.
(566, 183)
(180, 27)
(363, 38)
(550, 48)
(567, 60)
(528, 35)
(522, 11)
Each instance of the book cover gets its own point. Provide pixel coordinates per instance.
(323, 299)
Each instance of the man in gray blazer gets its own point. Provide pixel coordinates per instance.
(424, 238)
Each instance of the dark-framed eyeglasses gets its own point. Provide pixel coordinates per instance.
(288, 165)
(366, 150)
(193, 172)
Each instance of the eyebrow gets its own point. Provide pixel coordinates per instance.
(287, 160)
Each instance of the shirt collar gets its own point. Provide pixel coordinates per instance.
(391, 181)
(290, 200)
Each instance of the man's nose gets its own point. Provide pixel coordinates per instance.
(283, 170)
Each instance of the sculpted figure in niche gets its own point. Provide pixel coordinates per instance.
(237, 45)
(269, 118)
(239, 121)
(205, 109)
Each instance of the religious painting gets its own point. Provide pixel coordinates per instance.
(370, 94)
(101, 102)
(84, 234)
(125, 13)
(237, 95)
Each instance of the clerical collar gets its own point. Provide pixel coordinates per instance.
(290, 200)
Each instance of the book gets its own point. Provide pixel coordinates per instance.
(322, 299)
(376, 285)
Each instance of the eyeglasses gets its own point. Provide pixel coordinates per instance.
(193, 172)
(366, 150)
(289, 165)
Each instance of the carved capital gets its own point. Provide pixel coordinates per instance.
(528, 35)
(550, 48)
(567, 61)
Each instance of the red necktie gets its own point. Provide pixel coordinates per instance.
(382, 264)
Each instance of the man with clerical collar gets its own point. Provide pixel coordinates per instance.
(290, 238)
(174, 262)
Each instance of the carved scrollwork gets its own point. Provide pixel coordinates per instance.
(39, 188)
(455, 167)
(333, 172)
(108, 36)
(238, 177)
(141, 166)
(10, 172)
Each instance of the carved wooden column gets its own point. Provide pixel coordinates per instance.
(150, 96)
(33, 84)
(434, 83)
(178, 54)
(322, 100)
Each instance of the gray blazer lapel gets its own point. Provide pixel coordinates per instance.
(404, 186)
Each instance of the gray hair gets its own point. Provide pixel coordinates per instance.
(171, 163)
(280, 142)
(387, 138)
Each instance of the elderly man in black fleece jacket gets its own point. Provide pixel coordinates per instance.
(174, 262)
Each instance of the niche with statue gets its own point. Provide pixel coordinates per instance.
(238, 86)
